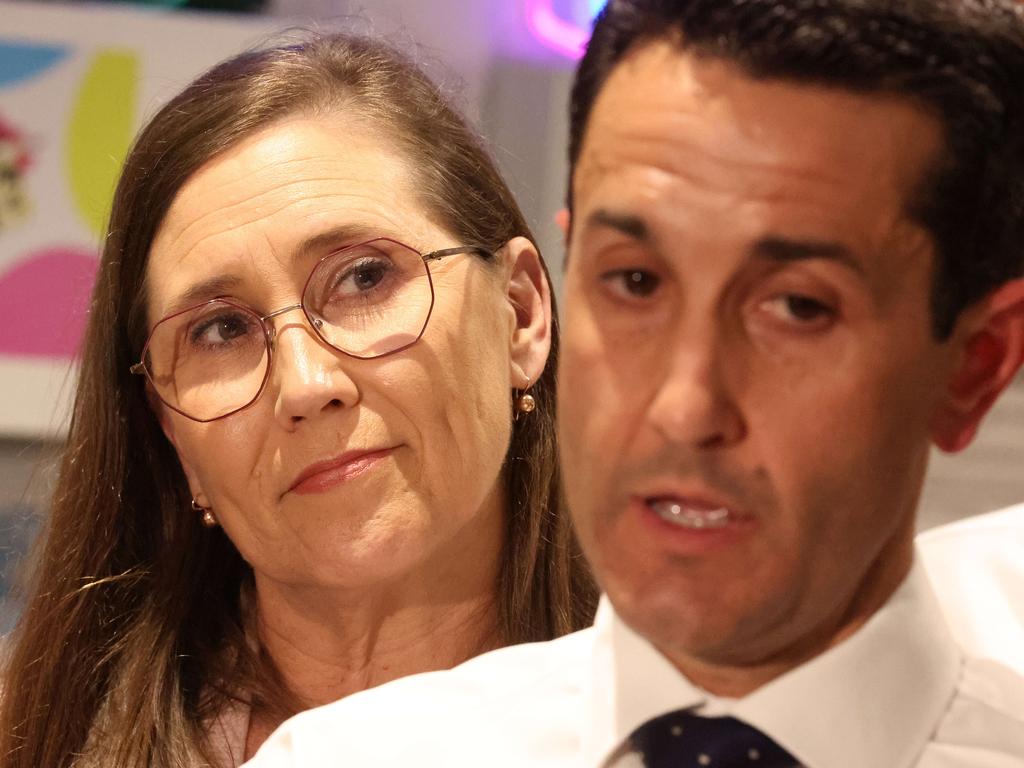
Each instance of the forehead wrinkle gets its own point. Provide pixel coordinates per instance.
(265, 213)
(890, 233)
(673, 156)
(347, 179)
(685, 110)
(365, 186)
(798, 203)
(686, 195)
(253, 200)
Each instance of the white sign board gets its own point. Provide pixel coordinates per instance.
(76, 83)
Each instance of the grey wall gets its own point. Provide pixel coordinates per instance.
(26, 477)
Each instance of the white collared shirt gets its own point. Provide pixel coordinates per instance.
(896, 694)
(977, 568)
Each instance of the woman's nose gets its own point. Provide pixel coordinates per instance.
(308, 377)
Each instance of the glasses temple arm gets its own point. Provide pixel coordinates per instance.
(487, 253)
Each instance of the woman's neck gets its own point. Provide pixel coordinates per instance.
(328, 642)
(321, 664)
(372, 643)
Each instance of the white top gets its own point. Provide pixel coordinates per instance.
(977, 569)
(896, 694)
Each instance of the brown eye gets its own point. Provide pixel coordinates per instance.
(367, 275)
(633, 283)
(641, 283)
(799, 312)
(221, 329)
(805, 309)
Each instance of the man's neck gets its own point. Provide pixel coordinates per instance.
(737, 677)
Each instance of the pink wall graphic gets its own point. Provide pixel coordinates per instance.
(44, 291)
(44, 301)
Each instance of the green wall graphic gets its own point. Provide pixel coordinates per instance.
(100, 131)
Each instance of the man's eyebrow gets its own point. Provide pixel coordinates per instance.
(627, 224)
(785, 250)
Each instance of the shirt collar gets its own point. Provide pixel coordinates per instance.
(632, 683)
(881, 691)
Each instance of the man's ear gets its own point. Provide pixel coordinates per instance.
(529, 294)
(564, 221)
(167, 425)
(992, 333)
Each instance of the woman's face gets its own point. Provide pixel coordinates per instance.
(410, 446)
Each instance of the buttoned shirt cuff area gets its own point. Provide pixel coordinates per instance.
(882, 692)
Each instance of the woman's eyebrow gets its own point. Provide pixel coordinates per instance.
(315, 245)
(204, 290)
(334, 237)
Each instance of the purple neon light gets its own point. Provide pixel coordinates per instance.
(552, 30)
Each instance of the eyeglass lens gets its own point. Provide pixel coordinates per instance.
(366, 301)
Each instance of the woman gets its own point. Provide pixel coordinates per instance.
(301, 462)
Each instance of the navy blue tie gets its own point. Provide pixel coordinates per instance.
(684, 740)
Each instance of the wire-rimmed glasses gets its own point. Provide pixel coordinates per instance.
(369, 300)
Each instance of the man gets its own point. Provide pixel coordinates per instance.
(794, 263)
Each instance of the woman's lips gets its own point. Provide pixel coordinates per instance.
(324, 475)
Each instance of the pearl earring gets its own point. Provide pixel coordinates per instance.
(207, 517)
(524, 403)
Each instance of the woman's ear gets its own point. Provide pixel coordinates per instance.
(529, 295)
(992, 352)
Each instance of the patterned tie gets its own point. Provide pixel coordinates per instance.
(684, 740)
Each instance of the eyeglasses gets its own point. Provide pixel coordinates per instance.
(369, 300)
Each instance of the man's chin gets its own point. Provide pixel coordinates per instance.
(701, 628)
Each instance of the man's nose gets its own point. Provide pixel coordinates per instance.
(695, 403)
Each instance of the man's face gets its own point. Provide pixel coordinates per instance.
(748, 376)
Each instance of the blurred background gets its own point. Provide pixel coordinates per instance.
(76, 82)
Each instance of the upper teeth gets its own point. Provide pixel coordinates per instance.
(688, 517)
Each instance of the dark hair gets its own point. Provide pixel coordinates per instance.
(961, 60)
(134, 633)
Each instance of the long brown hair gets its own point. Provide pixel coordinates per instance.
(120, 653)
